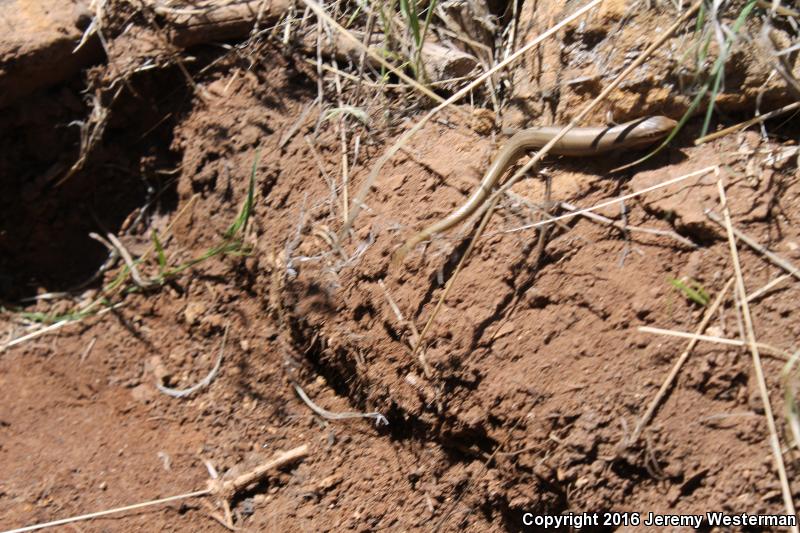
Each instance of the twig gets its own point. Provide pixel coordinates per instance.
(652, 231)
(451, 281)
(129, 262)
(98, 514)
(53, 327)
(225, 490)
(411, 326)
(228, 489)
(88, 349)
(298, 123)
(182, 393)
(752, 243)
(323, 173)
(777, 352)
(613, 201)
(670, 379)
(367, 83)
(760, 292)
(747, 123)
(759, 371)
(779, 9)
(379, 418)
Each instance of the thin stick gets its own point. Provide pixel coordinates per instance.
(779, 9)
(411, 326)
(88, 349)
(89, 516)
(719, 340)
(330, 415)
(228, 489)
(451, 281)
(635, 229)
(760, 292)
(670, 379)
(182, 393)
(358, 200)
(759, 371)
(616, 200)
(752, 243)
(53, 327)
(298, 123)
(746, 123)
(369, 83)
(129, 262)
(323, 173)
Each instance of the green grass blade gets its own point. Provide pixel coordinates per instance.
(162, 258)
(695, 292)
(713, 84)
(409, 9)
(240, 224)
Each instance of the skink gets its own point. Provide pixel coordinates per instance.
(577, 142)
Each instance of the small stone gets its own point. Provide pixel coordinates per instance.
(674, 494)
(212, 322)
(329, 482)
(143, 393)
(193, 312)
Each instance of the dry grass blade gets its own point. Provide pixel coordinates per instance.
(411, 326)
(766, 348)
(358, 200)
(759, 371)
(183, 393)
(768, 287)
(747, 123)
(98, 514)
(53, 327)
(670, 379)
(454, 276)
(330, 415)
(323, 15)
(624, 227)
(225, 490)
(752, 243)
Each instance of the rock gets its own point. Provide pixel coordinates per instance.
(37, 46)
(193, 312)
(143, 393)
(553, 80)
(329, 482)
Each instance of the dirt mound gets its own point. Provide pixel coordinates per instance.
(218, 169)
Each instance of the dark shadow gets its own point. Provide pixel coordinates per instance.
(44, 227)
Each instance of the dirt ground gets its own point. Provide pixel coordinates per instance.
(534, 375)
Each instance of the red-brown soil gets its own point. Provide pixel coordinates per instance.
(535, 358)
